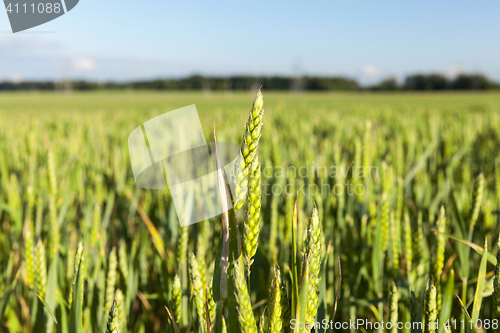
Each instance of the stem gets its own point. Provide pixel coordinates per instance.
(464, 300)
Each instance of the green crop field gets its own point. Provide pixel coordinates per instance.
(365, 208)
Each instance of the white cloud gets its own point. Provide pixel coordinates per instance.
(84, 64)
(454, 71)
(16, 78)
(370, 71)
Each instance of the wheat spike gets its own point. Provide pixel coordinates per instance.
(120, 304)
(274, 310)
(408, 243)
(439, 256)
(198, 289)
(113, 325)
(252, 224)
(386, 189)
(111, 279)
(79, 258)
(245, 312)
(177, 299)
(430, 308)
(313, 249)
(28, 254)
(394, 308)
(40, 269)
(248, 151)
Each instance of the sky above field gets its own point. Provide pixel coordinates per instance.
(365, 40)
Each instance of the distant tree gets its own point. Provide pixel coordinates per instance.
(277, 83)
(426, 82)
(438, 82)
(389, 84)
(242, 82)
(320, 83)
(471, 82)
(330, 83)
(41, 85)
(84, 85)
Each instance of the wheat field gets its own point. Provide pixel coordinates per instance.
(366, 208)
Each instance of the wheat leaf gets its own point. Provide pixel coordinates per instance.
(75, 314)
(478, 297)
(4, 301)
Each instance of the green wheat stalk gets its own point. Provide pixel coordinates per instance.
(313, 249)
(55, 237)
(439, 257)
(198, 289)
(274, 310)
(177, 299)
(111, 279)
(408, 243)
(252, 224)
(394, 307)
(120, 304)
(40, 269)
(367, 154)
(248, 151)
(28, 254)
(79, 257)
(246, 317)
(395, 241)
(386, 190)
(430, 308)
(113, 325)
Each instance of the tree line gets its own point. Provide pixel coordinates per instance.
(417, 82)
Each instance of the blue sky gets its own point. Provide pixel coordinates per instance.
(366, 40)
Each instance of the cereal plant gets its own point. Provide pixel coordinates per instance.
(347, 208)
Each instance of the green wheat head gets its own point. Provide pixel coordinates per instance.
(28, 255)
(40, 269)
(394, 307)
(113, 325)
(79, 257)
(430, 308)
(177, 299)
(248, 151)
(439, 256)
(313, 249)
(246, 317)
(198, 290)
(252, 224)
(111, 279)
(120, 304)
(274, 310)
